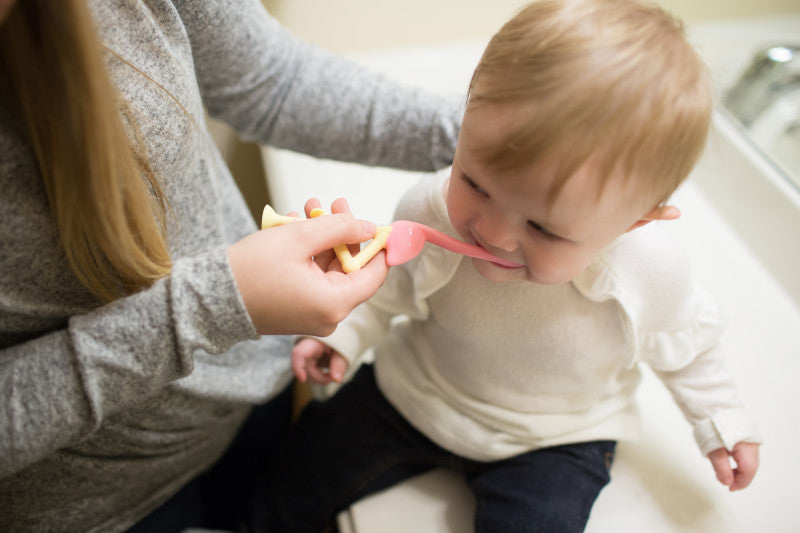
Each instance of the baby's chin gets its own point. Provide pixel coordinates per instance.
(502, 274)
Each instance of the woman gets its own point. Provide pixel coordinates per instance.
(139, 312)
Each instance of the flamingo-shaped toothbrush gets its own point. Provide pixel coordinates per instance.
(402, 239)
(407, 238)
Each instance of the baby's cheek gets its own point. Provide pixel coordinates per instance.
(552, 269)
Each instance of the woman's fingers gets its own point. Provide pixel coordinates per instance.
(340, 205)
(286, 291)
(323, 233)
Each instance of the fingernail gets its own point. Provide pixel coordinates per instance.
(369, 227)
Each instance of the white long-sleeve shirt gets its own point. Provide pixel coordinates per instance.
(489, 370)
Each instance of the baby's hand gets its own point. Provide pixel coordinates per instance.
(313, 360)
(746, 456)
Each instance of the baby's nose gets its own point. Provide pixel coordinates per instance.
(497, 233)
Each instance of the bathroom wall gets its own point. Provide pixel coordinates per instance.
(351, 25)
(347, 25)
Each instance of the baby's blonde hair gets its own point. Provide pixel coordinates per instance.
(614, 82)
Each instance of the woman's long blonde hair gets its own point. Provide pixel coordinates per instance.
(104, 197)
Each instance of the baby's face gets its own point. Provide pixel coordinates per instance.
(508, 214)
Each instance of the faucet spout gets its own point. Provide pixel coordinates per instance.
(773, 72)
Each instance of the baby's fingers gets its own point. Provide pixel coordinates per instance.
(303, 351)
(320, 372)
(722, 466)
(337, 366)
(746, 456)
(741, 479)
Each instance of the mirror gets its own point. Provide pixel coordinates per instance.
(755, 63)
(765, 102)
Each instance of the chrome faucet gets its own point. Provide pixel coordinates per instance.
(773, 72)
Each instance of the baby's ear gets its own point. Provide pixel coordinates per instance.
(661, 212)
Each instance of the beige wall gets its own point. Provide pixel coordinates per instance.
(352, 25)
(346, 25)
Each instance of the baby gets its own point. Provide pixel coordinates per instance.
(583, 117)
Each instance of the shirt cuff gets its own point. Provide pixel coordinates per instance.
(208, 310)
(724, 430)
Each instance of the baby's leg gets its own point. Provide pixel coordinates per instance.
(351, 445)
(551, 489)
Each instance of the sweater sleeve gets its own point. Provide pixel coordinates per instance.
(276, 89)
(688, 357)
(677, 329)
(58, 388)
(707, 395)
(680, 337)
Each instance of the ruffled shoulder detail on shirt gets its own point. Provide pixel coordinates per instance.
(670, 319)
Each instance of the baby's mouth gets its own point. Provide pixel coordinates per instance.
(515, 265)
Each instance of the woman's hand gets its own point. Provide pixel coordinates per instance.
(291, 282)
(327, 259)
(746, 456)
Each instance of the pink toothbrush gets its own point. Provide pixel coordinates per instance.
(403, 241)
(407, 238)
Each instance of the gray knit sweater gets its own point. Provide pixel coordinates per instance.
(108, 410)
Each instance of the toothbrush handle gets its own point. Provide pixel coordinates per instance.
(454, 245)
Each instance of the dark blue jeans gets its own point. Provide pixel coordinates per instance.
(356, 443)
(221, 498)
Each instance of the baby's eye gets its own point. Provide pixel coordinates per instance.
(475, 186)
(542, 231)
